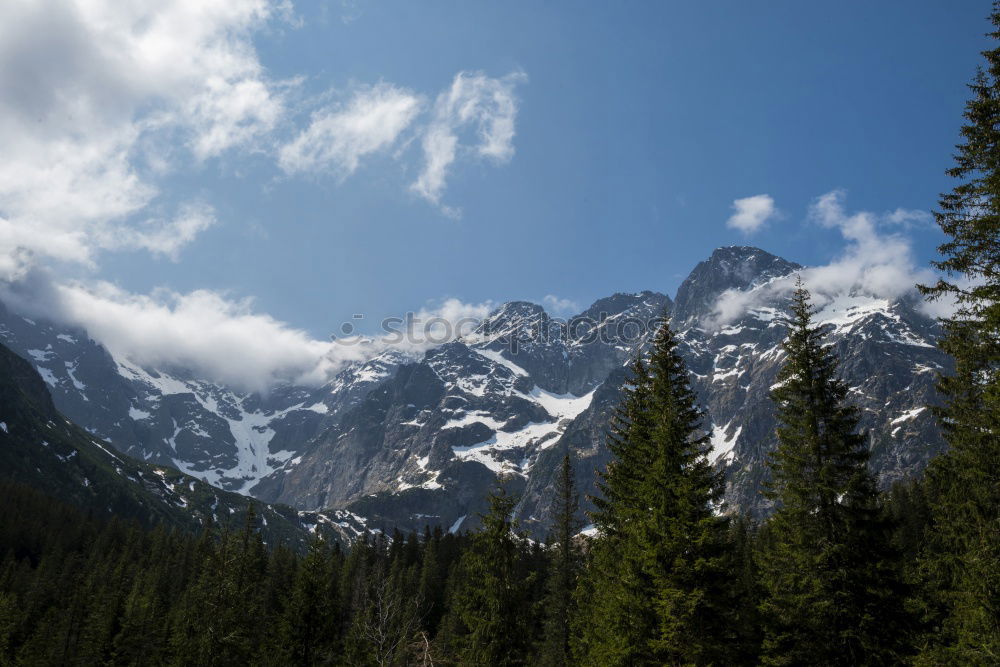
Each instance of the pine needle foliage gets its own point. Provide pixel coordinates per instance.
(833, 595)
(657, 577)
(961, 564)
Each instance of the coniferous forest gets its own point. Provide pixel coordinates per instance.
(840, 573)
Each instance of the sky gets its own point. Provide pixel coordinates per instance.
(223, 184)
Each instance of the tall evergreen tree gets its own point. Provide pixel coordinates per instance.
(833, 588)
(656, 580)
(310, 626)
(565, 569)
(962, 559)
(490, 621)
(8, 625)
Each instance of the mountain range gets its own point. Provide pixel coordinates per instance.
(402, 440)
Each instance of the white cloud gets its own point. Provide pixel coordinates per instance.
(446, 321)
(217, 338)
(339, 137)
(873, 262)
(96, 93)
(909, 218)
(878, 263)
(221, 339)
(557, 305)
(102, 100)
(164, 237)
(474, 100)
(751, 213)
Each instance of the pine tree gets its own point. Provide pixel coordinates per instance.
(490, 620)
(833, 588)
(432, 581)
(565, 569)
(311, 623)
(8, 625)
(962, 560)
(745, 592)
(656, 581)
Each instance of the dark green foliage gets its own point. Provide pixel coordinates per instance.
(656, 583)
(745, 593)
(75, 589)
(310, 625)
(567, 563)
(833, 595)
(961, 563)
(491, 620)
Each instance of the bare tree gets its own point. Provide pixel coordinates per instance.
(421, 650)
(389, 621)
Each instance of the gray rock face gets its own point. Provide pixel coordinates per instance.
(887, 356)
(228, 438)
(409, 441)
(741, 268)
(42, 449)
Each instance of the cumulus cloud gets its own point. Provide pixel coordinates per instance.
(163, 237)
(486, 106)
(558, 306)
(339, 136)
(875, 262)
(909, 218)
(223, 339)
(444, 321)
(93, 93)
(751, 213)
(201, 330)
(103, 100)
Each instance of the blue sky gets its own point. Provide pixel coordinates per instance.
(633, 128)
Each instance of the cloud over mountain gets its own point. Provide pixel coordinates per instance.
(105, 102)
(875, 261)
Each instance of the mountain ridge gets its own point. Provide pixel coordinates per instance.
(411, 440)
(41, 449)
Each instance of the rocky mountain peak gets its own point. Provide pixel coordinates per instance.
(731, 267)
(407, 438)
(514, 321)
(621, 302)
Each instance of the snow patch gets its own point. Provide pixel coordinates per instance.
(908, 415)
(562, 408)
(722, 446)
(48, 376)
(137, 414)
(498, 358)
(71, 371)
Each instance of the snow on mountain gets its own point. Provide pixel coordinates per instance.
(405, 439)
(228, 438)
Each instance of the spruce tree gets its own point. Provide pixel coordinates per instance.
(833, 591)
(490, 620)
(961, 563)
(310, 626)
(8, 625)
(656, 581)
(565, 569)
(432, 581)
